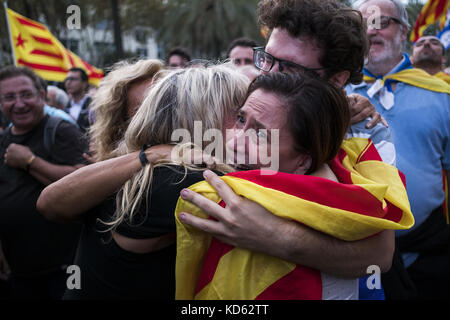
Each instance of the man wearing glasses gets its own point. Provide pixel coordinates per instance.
(280, 39)
(76, 84)
(417, 107)
(329, 39)
(35, 248)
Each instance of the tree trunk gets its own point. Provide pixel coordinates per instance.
(28, 10)
(115, 7)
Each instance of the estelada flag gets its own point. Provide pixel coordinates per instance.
(35, 47)
(432, 11)
(370, 197)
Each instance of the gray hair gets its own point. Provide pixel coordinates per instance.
(402, 13)
(61, 97)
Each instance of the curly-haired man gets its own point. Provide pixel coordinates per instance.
(327, 38)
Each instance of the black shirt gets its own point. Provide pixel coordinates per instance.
(110, 272)
(33, 245)
(84, 118)
(4, 123)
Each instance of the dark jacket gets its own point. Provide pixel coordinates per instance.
(83, 120)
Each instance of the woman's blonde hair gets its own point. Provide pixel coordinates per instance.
(109, 104)
(179, 98)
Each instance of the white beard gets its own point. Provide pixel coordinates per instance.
(388, 57)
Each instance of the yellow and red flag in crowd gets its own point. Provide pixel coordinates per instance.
(370, 197)
(34, 46)
(432, 11)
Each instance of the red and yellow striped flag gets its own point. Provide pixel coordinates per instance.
(35, 47)
(370, 197)
(432, 11)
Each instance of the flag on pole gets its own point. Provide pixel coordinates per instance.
(444, 35)
(34, 46)
(445, 21)
(370, 197)
(432, 11)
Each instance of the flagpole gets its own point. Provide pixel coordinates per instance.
(5, 5)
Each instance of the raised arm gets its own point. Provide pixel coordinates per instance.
(70, 197)
(246, 224)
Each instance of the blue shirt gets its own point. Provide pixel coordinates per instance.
(370, 294)
(420, 126)
(380, 136)
(54, 112)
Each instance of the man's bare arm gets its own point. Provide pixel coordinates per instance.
(361, 108)
(246, 224)
(19, 156)
(337, 257)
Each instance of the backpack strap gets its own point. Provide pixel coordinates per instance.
(86, 103)
(50, 133)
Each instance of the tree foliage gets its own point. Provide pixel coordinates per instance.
(205, 27)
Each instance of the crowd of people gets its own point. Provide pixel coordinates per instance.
(92, 177)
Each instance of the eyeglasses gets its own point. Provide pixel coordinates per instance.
(384, 22)
(265, 61)
(24, 96)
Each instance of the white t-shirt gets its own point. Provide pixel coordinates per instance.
(75, 108)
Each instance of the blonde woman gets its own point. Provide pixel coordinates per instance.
(322, 109)
(127, 248)
(116, 101)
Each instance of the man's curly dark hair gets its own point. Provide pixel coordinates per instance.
(339, 31)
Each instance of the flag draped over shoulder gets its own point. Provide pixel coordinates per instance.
(443, 76)
(370, 197)
(418, 78)
(432, 11)
(35, 47)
